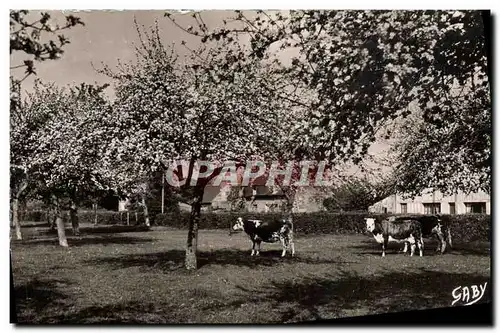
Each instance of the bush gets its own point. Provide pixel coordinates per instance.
(110, 218)
(305, 223)
(35, 216)
(470, 227)
(103, 217)
(464, 228)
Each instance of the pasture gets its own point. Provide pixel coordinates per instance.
(110, 276)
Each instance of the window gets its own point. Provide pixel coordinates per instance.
(385, 210)
(452, 208)
(475, 207)
(404, 208)
(432, 208)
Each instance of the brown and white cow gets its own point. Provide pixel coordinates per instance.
(401, 231)
(432, 225)
(269, 232)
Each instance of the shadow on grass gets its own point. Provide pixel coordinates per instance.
(37, 224)
(174, 259)
(121, 313)
(481, 251)
(371, 247)
(36, 296)
(101, 229)
(84, 240)
(344, 295)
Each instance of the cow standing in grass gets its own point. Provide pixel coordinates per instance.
(401, 231)
(431, 225)
(269, 232)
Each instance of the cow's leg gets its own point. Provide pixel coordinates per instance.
(420, 243)
(412, 245)
(253, 248)
(438, 247)
(291, 244)
(258, 248)
(442, 243)
(285, 246)
(448, 236)
(406, 247)
(384, 245)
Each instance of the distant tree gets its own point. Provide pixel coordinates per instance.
(201, 109)
(357, 71)
(26, 37)
(170, 201)
(56, 138)
(357, 195)
(29, 35)
(236, 198)
(26, 125)
(446, 156)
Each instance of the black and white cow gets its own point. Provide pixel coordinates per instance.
(401, 231)
(269, 232)
(432, 225)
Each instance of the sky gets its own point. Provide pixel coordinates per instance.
(108, 37)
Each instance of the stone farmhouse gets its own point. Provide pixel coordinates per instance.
(434, 202)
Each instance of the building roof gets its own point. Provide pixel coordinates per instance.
(263, 193)
(267, 197)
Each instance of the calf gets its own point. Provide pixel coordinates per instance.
(432, 225)
(268, 232)
(401, 231)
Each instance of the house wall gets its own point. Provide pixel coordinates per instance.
(265, 206)
(307, 199)
(416, 205)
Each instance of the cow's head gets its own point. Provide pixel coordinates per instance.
(286, 224)
(239, 224)
(370, 224)
(438, 228)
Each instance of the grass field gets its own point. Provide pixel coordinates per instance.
(137, 277)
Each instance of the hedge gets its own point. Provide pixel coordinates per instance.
(103, 217)
(465, 228)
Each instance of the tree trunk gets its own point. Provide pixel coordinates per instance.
(73, 213)
(61, 233)
(51, 219)
(15, 218)
(128, 217)
(194, 219)
(95, 213)
(15, 210)
(145, 210)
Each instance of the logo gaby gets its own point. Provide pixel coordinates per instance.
(468, 295)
